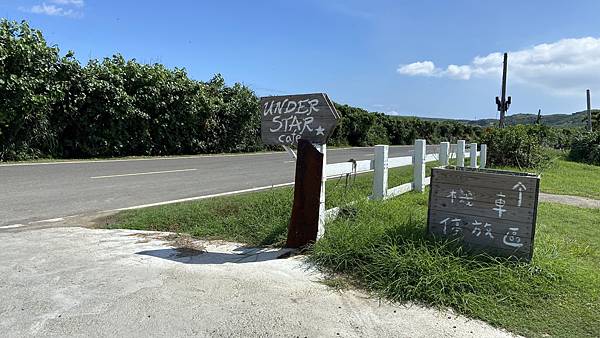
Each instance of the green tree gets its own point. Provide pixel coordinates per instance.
(29, 90)
(596, 119)
(52, 106)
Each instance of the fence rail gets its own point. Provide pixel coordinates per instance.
(381, 164)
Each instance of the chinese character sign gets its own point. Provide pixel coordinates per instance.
(488, 210)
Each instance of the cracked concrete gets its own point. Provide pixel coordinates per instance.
(86, 282)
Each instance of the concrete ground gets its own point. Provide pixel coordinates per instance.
(577, 201)
(75, 281)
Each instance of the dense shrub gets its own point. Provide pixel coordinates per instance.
(586, 148)
(357, 127)
(29, 86)
(52, 106)
(557, 138)
(517, 146)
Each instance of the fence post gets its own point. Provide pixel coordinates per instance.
(460, 153)
(419, 166)
(321, 231)
(473, 148)
(483, 156)
(444, 151)
(380, 178)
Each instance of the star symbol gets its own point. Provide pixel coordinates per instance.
(320, 131)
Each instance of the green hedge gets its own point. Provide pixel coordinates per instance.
(357, 127)
(586, 148)
(52, 106)
(516, 146)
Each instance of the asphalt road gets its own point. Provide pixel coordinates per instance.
(32, 192)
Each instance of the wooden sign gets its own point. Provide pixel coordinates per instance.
(287, 119)
(489, 211)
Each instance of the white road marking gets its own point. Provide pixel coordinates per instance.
(156, 158)
(189, 199)
(164, 158)
(203, 197)
(146, 173)
(51, 220)
(12, 226)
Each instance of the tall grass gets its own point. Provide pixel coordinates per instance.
(383, 247)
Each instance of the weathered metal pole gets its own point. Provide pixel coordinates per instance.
(503, 106)
(589, 111)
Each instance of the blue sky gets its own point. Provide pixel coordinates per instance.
(424, 58)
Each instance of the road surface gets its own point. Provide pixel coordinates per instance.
(32, 192)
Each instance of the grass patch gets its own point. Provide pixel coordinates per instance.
(563, 177)
(383, 247)
(341, 190)
(571, 178)
(256, 219)
(259, 218)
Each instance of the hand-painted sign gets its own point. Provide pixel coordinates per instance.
(286, 119)
(490, 211)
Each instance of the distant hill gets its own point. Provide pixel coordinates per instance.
(555, 120)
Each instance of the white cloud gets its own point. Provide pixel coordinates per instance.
(50, 10)
(63, 8)
(76, 3)
(566, 67)
(423, 68)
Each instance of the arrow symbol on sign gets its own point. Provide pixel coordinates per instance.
(521, 187)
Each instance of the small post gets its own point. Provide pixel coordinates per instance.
(380, 178)
(483, 156)
(321, 231)
(419, 166)
(444, 151)
(589, 110)
(473, 149)
(460, 153)
(290, 152)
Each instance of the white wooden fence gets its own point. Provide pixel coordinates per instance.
(382, 163)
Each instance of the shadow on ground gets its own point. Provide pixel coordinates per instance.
(238, 255)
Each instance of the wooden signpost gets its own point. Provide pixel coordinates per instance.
(287, 119)
(304, 222)
(489, 211)
(304, 121)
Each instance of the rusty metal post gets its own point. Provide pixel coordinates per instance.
(503, 103)
(304, 222)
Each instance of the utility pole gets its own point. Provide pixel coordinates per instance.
(539, 117)
(503, 103)
(589, 111)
